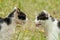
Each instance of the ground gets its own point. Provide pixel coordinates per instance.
(31, 8)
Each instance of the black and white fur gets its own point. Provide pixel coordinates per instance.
(8, 24)
(52, 25)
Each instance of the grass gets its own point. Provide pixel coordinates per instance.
(31, 8)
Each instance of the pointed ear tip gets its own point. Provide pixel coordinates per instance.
(19, 9)
(44, 11)
(15, 7)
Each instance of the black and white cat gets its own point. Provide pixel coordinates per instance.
(8, 24)
(52, 25)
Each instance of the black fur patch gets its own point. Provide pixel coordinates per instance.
(42, 16)
(11, 14)
(58, 24)
(1, 20)
(52, 18)
(7, 20)
(21, 16)
(0, 27)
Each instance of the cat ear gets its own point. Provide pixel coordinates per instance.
(15, 8)
(18, 10)
(46, 13)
